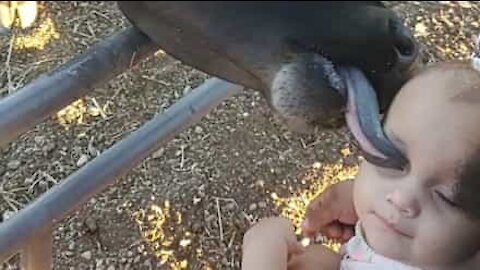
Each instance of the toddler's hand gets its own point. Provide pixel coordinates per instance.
(269, 244)
(332, 213)
(274, 231)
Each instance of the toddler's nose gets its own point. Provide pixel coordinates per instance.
(405, 202)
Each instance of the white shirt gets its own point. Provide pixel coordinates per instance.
(357, 255)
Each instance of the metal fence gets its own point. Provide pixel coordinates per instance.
(29, 232)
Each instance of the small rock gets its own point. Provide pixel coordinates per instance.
(129, 254)
(39, 140)
(252, 207)
(230, 206)
(196, 200)
(7, 214)
(13, 164)
(28, 181)
(210, 218)
(99, 263)
(68, 253)
(198, 129)
(91, 224)
(187, 89)
(123, 260)
(87, 255)
(158, 153)
(196, 227)
(136, 260)
(111, 267)
(92, 150)
(49, 147)
(71, 246)
(260, 183)
(148, 264)
(82, 160)
(262, 204)
(43, 184)
(201, 191)
(2, 170)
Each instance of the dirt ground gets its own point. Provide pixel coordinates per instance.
(188, 205)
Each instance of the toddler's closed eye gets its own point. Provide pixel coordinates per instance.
(445, 199)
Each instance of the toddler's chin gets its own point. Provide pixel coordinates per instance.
(381, 243)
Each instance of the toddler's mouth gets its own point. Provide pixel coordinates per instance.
(391, 226)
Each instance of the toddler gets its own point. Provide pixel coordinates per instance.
(423, 216)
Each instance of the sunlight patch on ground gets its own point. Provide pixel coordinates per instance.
(152, 223)
(155, 226)
(73, 113)
(38, 38)
(320, 176)
(79, 111)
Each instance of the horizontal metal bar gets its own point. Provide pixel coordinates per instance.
(91, 179)
(48, 94)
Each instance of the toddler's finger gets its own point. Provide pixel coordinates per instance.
(334, 231)
(348, 232)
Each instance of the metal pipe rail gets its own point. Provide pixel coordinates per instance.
(30, 229)
(50, 93)
(29, 232)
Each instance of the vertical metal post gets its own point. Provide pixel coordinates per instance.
(38, 253)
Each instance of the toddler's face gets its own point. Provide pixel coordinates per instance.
(411, 215)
